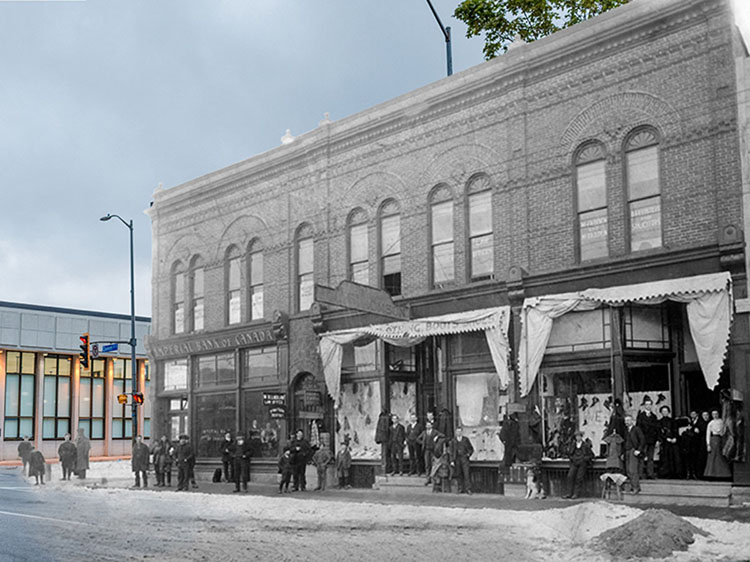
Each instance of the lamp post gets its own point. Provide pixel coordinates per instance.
(447, 34)
(133, 341)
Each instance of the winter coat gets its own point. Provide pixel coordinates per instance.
(139, 461)
(184, 454)
(649, 425)
(322, 457)
(412, 432)
(285, 465)
(243, 452)
(581, 456)
(301, 451)
(227, 450)
(83, 448)
(461, 449)
(445, 423)
(398, 436)
(36, 463)
(634, 440)
(162, 455)
(383, 428)
(343, 460)
(24, 450)
(67, 453)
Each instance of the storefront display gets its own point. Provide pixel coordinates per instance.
(357, 417)
(478, 403)
(215, 415)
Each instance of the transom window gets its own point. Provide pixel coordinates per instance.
(480, 228)
(390, 248)
(359, 264)
(644, 191)
(591, 191)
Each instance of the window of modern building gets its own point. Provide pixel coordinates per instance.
(122, 383)
(255, 275)
(175, 375)
(57, 392)
(479, 200)
(591, 199)
(441, 236)
(91, 399)
(215, 370)
(20, 368)
(178, 299)
(305, 267)
(644, 191)
(196, 294)
(147, 403)
(234, 284)
(390, 248)
(359, 262)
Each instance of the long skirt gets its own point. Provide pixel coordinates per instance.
(716, 465)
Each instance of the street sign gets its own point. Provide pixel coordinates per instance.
(109, 348)
(94, 350)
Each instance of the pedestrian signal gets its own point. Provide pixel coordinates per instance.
(137, 398)
(85, 354)
(122, 398)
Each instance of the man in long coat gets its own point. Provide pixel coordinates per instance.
(83, 448)
(398, 440)
(635, 445)
(68, 454)
(24, 451)
(185, 458)
(140, 462)
(427, 440)
(413, 430)
(461, 451)
(301, 450)
(243, 450)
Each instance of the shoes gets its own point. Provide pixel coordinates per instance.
(566, 497)
(635, 492)
(574, 497)
(468, 492)
(235, 491)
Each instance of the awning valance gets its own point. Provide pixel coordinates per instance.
(493, 321)
(709, 307)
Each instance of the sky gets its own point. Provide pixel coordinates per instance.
(102, 100)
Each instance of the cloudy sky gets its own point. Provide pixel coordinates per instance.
(100, 100)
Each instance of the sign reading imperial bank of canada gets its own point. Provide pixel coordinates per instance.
(250, 338)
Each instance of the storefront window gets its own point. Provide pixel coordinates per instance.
(646, 327)
(357, 417)
(259, 366)
(122, 414)
(215, 415)
(478, 402)
(19, 395)
(647, 380)
(216, 370)
(404, 400)
(175, 375)
(57, 388)
(580, 331)
(262, 430)
(91, 399)
(362, 358)
(471, 347)
(575, 401)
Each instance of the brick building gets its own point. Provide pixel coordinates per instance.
(385, 261)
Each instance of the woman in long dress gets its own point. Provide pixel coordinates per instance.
(716, 465)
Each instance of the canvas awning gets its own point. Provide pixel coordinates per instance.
(493, 321)
(709, 308)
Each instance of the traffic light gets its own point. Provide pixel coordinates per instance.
(84, 355)
(137, 398)
(122, 398)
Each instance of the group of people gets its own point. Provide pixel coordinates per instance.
(693, 448)
(434, 451)
(74, 457)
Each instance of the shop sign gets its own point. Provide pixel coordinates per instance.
(251, 338)
(354, 296)
(312, 398)
(274, 398)
(277, 412)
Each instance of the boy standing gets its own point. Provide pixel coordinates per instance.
(343, 464)
(285, 469)
(321, 459)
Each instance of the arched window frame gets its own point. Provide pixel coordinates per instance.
(442, 236)
(304, 260)
(233, 285)
(357, 247)
(255, 280)
(178, 298)
(592, 207)
(197, 292)
(389, 247)
(642, 161)
(480, 228)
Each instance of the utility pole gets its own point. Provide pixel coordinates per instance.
(447, 34)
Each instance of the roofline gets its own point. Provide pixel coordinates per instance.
(75, 311)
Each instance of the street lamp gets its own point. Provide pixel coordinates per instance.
(447, 34)
(132, 341)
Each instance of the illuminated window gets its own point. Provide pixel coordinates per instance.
(20, 369)
(591, 198)
(644, 191)
(57, 392)
(91, 399)
(122, 416)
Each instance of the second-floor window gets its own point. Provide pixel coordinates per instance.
(591, 199)
(178, 296)
(644, 191)
(255, 275)
(481, 263)
(196, 286)
(305, 268)
(441, 231)
(390, 248)
(234, 294)
(359, 264)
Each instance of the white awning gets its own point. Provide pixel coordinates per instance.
(493, 321)
(709, 307)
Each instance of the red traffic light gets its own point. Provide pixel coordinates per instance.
(84, 354)
(137, 398)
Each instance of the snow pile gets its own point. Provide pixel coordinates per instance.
(582, 522)
(656, 533)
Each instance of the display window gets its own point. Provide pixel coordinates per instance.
(478, 403)
(215, 415)
(263, 431)
(357, 418)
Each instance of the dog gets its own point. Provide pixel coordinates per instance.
(531, 484)
(217, 476)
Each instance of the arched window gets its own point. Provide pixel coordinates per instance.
(390, 248)
(441, 235)
(359, 262)
(234, 286)
(591, 199)
(479, 212)
(178, 298)
(305, 261)
(255, 277)
(196, 293)
(644, 189)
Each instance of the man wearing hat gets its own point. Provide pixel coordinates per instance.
(185, 458)
(580, 456)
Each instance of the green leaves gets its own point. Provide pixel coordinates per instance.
(501, 20)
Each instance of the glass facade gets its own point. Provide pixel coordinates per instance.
(122, 415)
(57, 396)
(19, 395)
(91, 399)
